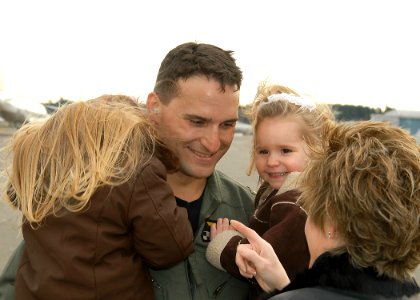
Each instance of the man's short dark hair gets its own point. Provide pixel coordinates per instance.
(190, 59)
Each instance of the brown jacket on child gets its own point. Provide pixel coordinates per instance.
(104, 251)
(280, 221)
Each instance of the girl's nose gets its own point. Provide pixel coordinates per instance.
(273, 160)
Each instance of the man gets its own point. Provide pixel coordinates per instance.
(195, 108)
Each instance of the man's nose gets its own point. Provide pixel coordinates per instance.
(211, 139)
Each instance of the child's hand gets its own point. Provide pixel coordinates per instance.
(221, 225)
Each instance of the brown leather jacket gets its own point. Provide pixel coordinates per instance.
(104, 252)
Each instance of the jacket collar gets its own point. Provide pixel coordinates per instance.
(338, 273)
(219, 190)
(213, 195)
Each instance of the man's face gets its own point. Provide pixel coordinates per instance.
(199, 124)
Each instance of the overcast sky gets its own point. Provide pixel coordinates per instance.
(358, 52)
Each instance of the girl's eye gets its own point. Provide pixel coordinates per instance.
(262, 152)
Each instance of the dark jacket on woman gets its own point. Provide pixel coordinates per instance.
(280, 221)
(335, 278)
(104, 251)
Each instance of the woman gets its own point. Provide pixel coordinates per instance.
(362, 196)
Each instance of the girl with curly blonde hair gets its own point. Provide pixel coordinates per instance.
(287, 128)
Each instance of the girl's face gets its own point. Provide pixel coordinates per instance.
(280, 149)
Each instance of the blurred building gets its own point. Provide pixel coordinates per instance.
(409, 120)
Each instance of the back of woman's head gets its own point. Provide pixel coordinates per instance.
(274, 100)
(367, 183)
(61, 162)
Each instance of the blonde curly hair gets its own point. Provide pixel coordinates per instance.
(314, 121)
(366, 182)
(59, 163)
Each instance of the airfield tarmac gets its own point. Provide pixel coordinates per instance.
(234, 163)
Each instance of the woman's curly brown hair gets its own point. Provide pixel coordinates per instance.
(366, 181)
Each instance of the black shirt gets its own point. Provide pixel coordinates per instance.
(193, 209)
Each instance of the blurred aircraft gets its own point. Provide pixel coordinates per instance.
(17, 112)
(244, 128)
(53, 106)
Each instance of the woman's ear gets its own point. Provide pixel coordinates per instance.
(333, 237)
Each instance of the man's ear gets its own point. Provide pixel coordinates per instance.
(153, 103)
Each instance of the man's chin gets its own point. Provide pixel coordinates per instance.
(198, 172)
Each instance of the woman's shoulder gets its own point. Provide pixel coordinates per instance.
(317, 293)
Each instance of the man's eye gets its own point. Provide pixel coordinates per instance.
(197, 122)
(228, 125)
